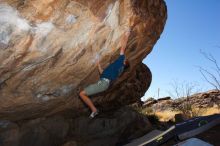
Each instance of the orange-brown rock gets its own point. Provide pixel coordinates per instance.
(48, 50)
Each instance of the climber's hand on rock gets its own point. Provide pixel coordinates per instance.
(99, 66)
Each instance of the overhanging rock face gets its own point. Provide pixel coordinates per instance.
(48, 50)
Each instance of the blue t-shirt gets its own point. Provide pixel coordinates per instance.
(115, 69)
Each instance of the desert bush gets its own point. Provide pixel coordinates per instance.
(148, 110)
(184, 90)
(212, 76)
(145, 110)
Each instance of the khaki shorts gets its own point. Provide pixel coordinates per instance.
(98, 87)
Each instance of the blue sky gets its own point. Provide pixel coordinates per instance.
(192, 25)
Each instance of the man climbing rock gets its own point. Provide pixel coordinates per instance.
(109, 74)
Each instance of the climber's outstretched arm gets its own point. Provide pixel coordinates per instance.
(124, 42)
(131, 24)
(99, 67)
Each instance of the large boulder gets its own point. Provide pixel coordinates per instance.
(116, 127)
(48, 50)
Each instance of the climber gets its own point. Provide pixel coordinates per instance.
(108, 75)
(111, 73)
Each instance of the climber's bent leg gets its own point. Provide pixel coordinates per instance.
(98, 87)
(87, 101)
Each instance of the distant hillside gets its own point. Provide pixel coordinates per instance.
(198, 104)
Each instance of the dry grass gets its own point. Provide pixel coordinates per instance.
(165, 116)
(168, 115)
(211, 111)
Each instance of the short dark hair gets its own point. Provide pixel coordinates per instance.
(127, 64)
